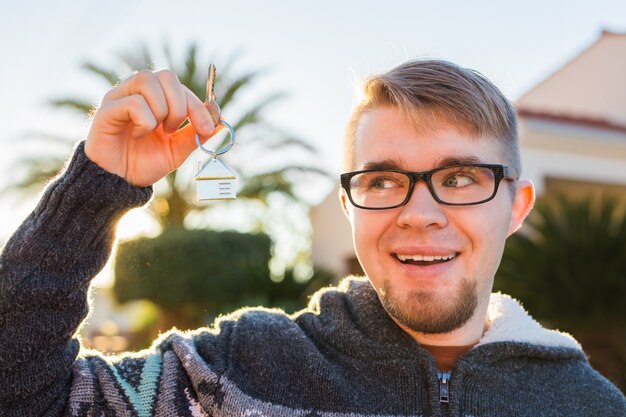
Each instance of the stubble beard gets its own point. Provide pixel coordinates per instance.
(427, 313)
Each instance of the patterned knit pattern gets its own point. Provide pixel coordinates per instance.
(341, 357)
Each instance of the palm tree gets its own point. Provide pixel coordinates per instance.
(174, 199)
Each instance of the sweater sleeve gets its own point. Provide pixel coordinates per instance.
(45, 271)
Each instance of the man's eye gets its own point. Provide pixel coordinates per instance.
(383, 183)
(459, 180)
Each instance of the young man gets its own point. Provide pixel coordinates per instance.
(432, 193)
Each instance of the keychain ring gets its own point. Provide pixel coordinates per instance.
(226, 148)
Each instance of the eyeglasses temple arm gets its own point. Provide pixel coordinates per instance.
(510, 172)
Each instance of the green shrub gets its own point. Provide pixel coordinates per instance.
(568, 264)
(195, 275)
(206, 268)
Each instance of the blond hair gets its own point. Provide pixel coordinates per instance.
(433, 93)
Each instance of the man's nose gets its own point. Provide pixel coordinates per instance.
(422, 210)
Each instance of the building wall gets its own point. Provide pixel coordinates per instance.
(332, 246)
(578, 190)
(577, 153)
(591, 85)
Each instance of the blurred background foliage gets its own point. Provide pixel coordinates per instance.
(568, 267)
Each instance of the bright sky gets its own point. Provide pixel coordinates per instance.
(315, 51)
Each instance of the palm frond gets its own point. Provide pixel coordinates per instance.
(226, 96)
(38, 172)
(191, 66)
(109, 76)
(253, 115)
(138, 59)
(258, 187)
(305, 169)
(81, 106)
(285, 141)
(227, 66)
(169, 59)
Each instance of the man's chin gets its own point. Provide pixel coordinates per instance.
(429, 312)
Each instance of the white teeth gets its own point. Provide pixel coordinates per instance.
(404, 258)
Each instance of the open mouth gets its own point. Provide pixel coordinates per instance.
(425, 260)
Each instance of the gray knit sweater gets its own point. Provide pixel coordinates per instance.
(341, 357)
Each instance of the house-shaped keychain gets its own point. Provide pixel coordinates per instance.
(215, 181)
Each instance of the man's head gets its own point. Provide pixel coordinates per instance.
(433, 264)
(432, 93)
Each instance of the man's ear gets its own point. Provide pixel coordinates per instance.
(343, 199)
(522, 204)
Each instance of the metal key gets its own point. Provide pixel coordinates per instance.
(211, 104)
(215, 181)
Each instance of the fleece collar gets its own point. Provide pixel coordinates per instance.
(360, 320)
(511, 323)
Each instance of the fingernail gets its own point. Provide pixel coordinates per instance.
(208, 127)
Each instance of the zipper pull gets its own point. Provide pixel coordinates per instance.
(444, 387)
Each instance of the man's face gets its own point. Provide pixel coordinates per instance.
(430, 297)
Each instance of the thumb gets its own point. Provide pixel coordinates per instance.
(183, 142)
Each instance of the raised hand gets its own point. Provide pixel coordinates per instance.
(135, 131)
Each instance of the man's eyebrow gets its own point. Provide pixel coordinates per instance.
(382, 165)
(459, 160)
(454, 160)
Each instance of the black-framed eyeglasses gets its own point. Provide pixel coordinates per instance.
(453, 185)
